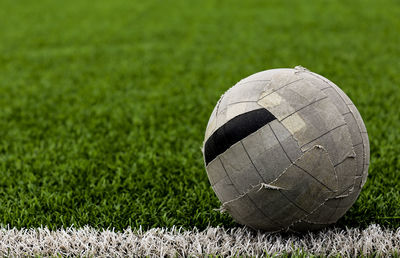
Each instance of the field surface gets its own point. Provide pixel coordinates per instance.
(103, 105)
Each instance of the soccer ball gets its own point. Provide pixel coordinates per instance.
(286, 149)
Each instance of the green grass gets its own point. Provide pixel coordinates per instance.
(103, 105)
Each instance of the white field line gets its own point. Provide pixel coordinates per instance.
(158, 242)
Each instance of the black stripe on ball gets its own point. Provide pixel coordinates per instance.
(235, 130)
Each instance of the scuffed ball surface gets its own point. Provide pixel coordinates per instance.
(286, 149)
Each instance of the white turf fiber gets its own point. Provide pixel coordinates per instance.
(88, 241)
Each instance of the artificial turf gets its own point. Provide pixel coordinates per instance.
(104, 104)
